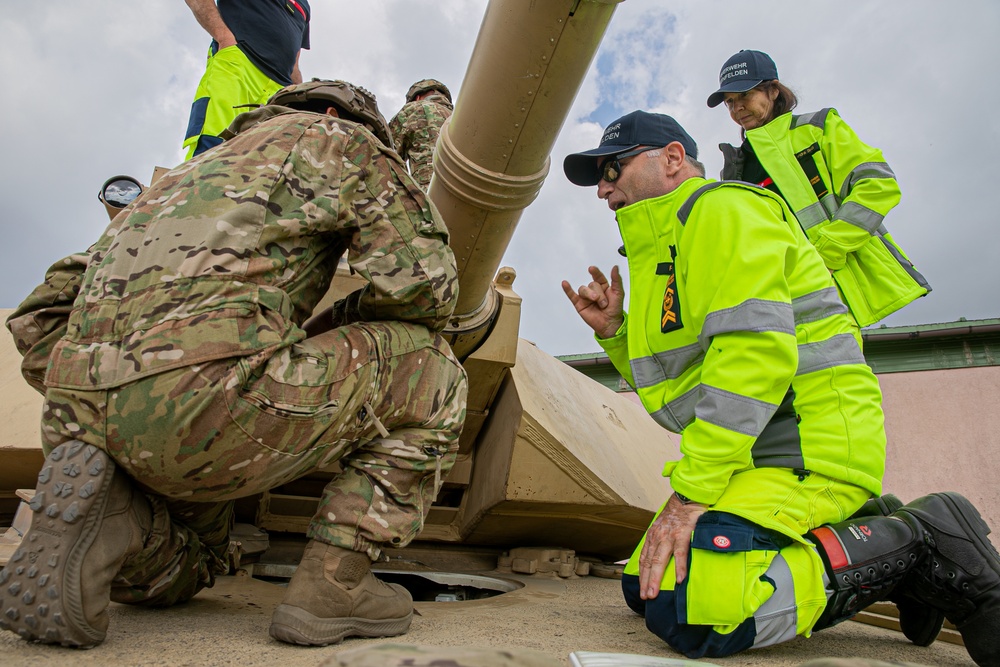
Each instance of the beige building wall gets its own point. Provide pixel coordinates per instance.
(943, 428)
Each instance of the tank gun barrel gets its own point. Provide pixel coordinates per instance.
(493, 154)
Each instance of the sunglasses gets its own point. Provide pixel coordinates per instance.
(612, 169)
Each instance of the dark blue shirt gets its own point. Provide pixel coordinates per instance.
(269, 32)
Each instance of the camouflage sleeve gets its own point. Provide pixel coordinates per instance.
(400, 243)
(41, 319)
(400, 134)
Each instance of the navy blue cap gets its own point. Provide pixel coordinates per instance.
(742, 72)
(638, 128)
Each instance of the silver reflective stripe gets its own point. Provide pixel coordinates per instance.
(811, 215)
(818, 305)
(777, 619)
(734, 412)
(840, 350)
(678, 413)
(905, 263)
(817, 212)
(860, 216)
(862, 171)
(685, 210)
(751, 315)
(831, 205)
(817, 118)
(651, 371)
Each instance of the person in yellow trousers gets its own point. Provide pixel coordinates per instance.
(254, 53)
(736, 337)
(839, 188)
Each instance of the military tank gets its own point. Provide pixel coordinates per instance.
(548, 457)
(553, 467)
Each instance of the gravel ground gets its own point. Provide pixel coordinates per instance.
(227, 625)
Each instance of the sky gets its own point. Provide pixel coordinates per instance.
(99, 88)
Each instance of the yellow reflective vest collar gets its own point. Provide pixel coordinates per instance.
(840, 190)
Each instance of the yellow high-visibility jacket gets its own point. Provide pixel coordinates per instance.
(840, 190)
(737, 338)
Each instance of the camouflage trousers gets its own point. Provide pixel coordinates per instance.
(384, 399)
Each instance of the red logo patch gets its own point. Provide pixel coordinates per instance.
(866, 530)
(721, 541)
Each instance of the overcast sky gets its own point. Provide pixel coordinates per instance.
(98, 88)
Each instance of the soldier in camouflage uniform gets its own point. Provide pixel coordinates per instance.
(178, 377)
(417, 126)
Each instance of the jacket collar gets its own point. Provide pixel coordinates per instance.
(245, 121)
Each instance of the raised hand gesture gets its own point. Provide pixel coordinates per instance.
(599, 303)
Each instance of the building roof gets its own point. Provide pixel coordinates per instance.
(961, 344)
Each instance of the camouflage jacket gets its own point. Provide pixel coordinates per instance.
(228, 254)
(415, 131)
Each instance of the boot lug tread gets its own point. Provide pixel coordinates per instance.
(46, 606)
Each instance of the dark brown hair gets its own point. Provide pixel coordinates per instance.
(784, 102)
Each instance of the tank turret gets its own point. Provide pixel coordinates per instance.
(547, 456)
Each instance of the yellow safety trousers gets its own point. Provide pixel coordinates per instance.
(231, 85)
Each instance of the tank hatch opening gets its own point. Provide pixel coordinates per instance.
(447, 586)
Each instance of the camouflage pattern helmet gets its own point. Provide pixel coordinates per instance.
(425, 85)
(354, 102)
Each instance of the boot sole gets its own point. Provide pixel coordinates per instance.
(41, 597)
(974, 525)
(294, 625)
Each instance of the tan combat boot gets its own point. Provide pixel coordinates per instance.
(87, 520)
(333, 594)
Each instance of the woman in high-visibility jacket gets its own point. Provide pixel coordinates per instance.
(839, 188)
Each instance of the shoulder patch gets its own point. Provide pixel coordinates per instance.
(670, 314)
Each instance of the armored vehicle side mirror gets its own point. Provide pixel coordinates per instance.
(118, 192)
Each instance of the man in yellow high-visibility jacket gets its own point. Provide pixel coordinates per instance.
(737, 338)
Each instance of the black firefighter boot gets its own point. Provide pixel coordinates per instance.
(961, 575)
(934, 550)
(920, 623)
